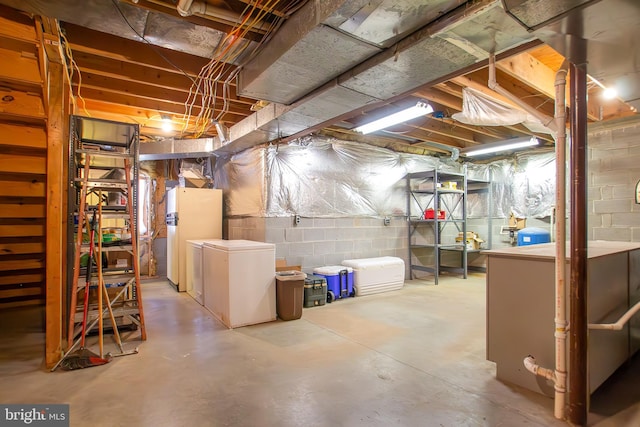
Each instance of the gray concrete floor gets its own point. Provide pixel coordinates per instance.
(414, 357)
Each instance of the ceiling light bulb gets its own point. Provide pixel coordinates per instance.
(420, 109)
(167, 125)
(610, 93)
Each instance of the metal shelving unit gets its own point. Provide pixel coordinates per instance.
(103, 197)
(431, 236)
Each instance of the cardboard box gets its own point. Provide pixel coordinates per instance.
(473, 240)
(281, 265)
(517, 223)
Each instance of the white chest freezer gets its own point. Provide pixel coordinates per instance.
(194, 262)
(239, 281)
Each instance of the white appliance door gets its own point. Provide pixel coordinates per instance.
(199, 217)
(173, 257)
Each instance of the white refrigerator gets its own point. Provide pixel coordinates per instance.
(192, 213)
(239, 281)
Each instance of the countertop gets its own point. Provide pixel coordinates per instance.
(595, 248)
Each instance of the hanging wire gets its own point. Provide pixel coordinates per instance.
(69, 68)
(215, 79)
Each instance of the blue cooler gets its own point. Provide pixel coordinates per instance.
(339, 281)
(533, 236)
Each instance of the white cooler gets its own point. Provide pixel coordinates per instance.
(375, 275)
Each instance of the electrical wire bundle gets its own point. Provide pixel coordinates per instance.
(214, 80)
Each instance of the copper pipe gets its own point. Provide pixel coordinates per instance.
(578, 382)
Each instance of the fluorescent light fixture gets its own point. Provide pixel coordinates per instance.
(167, 125)
(420, 109)
(512, 144)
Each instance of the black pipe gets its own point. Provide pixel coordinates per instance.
(578, 383)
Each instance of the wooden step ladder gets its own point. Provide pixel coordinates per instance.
(125, 304)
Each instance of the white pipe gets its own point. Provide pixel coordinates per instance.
(561, 236)
(190, 7)
(493, 85)
(534, 368)
(620, 323)
(184, 7)
(558, 126)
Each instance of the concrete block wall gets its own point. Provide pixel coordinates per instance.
(317, 242)
(614, 170)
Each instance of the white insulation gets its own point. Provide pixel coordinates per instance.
(326, 177)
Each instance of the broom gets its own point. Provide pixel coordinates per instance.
(83, 357)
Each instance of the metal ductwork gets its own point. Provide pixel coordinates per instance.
(450, 42)
(589, 32)
(178, 149)
(157, 28)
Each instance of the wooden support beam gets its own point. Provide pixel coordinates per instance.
(90, 93)
(56, 127)
(85, 40)
(91, 64)
(142, 90)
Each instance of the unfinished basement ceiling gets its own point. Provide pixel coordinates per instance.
(334, 64)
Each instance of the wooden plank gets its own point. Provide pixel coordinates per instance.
(21, 248)
(82, 39)
(20, 69)
(90, 63)
(33, 188)
(20, 292)
(57, 126)
(22, 230)
(21, 264)
(13, 26)
(149, 120)
(23, 303)
(15, 105)
(528, 69)
(13, 163)
(21, 279)
(143, 90)
(10, 210)
(144, 103)
(23, 136)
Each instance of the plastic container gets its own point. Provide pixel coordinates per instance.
(315, 291)
(431, 214)
(289, 294)
(339, 281)
(533, 236)
(375, 275)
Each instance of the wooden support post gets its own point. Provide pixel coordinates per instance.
(54, 81)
